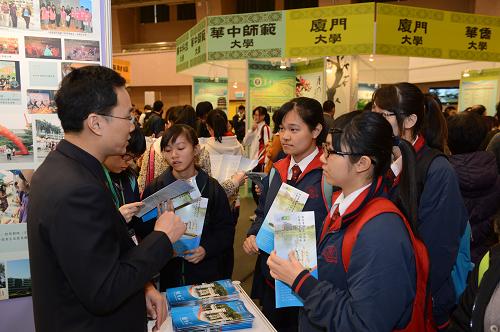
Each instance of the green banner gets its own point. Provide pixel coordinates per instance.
(212, 90)
(191, 47)
(246, 36)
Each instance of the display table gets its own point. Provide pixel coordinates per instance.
(260, 322)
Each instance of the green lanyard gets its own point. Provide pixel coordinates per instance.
(111, 186)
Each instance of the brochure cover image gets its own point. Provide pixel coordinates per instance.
(193, 294)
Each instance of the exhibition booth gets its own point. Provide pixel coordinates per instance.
(340, 53)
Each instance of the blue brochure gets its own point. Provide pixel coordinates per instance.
(217, 316)
(295, 232)
(193, 215)
(196, 294)
(287, 200)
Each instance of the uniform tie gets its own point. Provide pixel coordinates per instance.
(295, 173)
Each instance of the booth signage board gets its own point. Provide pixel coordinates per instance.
(191, 47)
(207, 89)
(310, 80)
(481, 87)
(333, 30)
(421, 32)
(269, 86)
(246, 36)
(123, 68)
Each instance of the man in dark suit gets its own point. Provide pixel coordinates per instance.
(87, 273)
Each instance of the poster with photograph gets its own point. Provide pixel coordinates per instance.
(16, 142)
(9, 45)
(42, 47)
(13, 203)
(81, 50)
(47, 132)
(10, 83)
(19, 14)
(67, 15)
(15, 276)
(67, 67)
(41, 102)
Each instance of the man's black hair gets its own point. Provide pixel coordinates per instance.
(86, 90)
(202, 109)
(328, 106)
(157, 106)
(137, 142)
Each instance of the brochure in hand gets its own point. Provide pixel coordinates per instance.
(220, 290)
(288, 200)
(179, 192)
(193, 215)
(295, 232)
(216, 316)
(224, 166)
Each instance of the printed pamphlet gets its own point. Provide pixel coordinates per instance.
(203, 293)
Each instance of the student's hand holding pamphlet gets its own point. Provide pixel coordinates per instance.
(130, 210)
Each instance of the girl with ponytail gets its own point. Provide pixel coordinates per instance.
(442, 216)
(372, 267)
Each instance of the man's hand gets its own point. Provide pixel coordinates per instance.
(196, 255)
(250, 245)
(156, 305)
(171, 225)
(129, 210)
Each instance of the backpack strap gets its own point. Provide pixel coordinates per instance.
(423, 163)
(421, 317)
(484, 265)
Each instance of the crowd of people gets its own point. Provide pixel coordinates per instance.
(10, 12)
(61, 17)
(405, 200)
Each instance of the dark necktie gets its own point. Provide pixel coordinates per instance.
(295, 173)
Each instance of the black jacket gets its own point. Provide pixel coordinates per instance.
(87, 274)
(469, 314)
(217, 236)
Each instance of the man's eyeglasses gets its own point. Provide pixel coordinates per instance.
(128, 118)
(128, 157)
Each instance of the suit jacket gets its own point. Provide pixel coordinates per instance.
(87, 274)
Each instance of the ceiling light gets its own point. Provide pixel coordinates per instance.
(283, 64)
(466, 73)
(371, 58)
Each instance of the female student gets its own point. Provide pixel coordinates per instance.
(301, 132)
(207, 262)
(372, 268)
(257, 138)
(442, 216)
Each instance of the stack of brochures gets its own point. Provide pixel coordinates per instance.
(208, 307)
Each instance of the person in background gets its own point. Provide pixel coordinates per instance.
(239, 123)
(302, 131)
(13, 14)
(479, 109)
(87, 273)
(479, 307)
(442, 215)
(478, 177)
(24, 186)
(145, 115)
(380, 282)
(155, 125)
(329, 113)
(202, 109)
(274, 149)
(450, 111)
(493, 126)
(209, 261)
(257, 138)
(121, 179)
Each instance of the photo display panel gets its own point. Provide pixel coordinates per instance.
(40, 42)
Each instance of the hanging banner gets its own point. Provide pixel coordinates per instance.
(411, 31)
(191, 47)
(246, 36)
(334, 30)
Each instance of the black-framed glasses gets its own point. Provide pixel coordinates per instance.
(329, 151)
(129, 118)
(128, 157)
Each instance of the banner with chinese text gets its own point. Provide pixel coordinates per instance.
(246, 36)
(411, 31)
(191, 47)
(334, 30)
